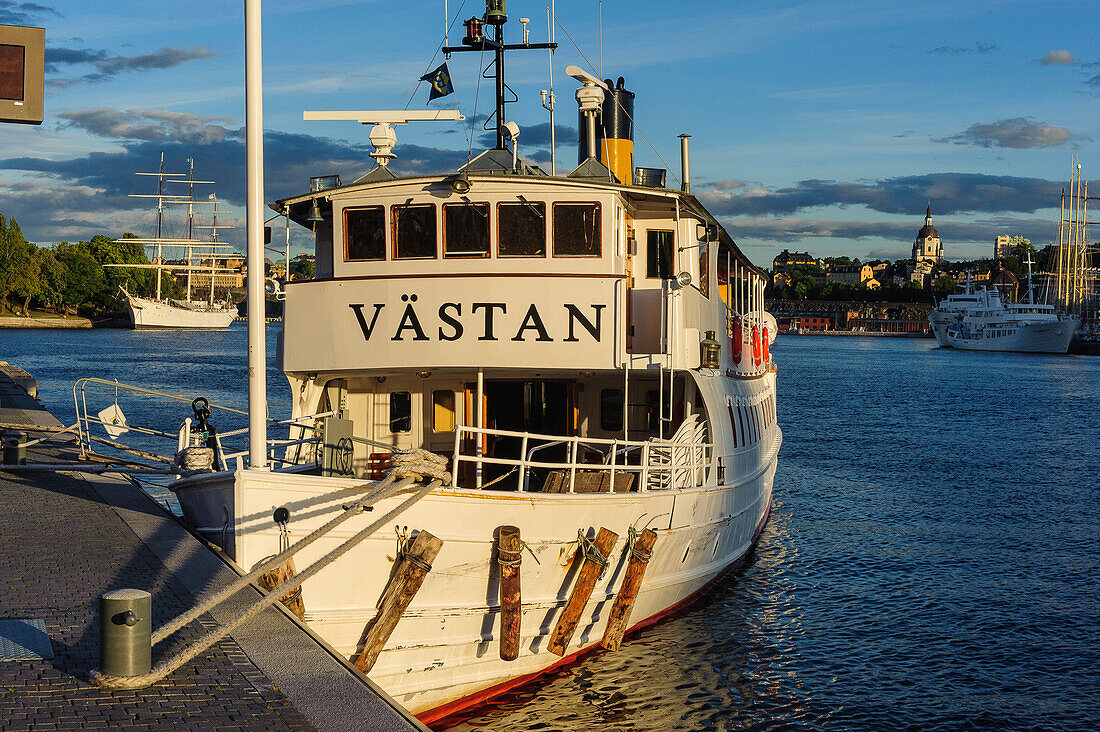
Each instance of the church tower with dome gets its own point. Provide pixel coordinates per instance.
(928, 247)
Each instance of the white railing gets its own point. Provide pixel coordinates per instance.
(656, 464)
(161, 444)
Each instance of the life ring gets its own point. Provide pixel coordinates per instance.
(756, 345)
(735, 340)
(767, 353)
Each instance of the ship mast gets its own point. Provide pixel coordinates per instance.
(475, 40)
(160, 218)
(190, 221)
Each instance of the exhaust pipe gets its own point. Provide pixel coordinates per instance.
(685, 168)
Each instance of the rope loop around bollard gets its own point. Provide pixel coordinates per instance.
(592, 553)
(416, 561)
(513, 561)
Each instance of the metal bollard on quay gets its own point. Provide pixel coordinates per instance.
(14, 451)
(125, 633)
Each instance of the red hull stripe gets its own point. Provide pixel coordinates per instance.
(434, 715)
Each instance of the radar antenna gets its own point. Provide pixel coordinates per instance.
(382, 135)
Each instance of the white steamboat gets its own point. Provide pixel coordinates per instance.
(553, 339)
(983, 321)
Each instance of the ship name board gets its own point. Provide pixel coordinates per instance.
(483, 321)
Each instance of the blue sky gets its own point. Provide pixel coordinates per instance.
(819, 126)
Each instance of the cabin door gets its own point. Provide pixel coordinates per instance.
(541, 407)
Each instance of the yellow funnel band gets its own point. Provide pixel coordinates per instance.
(618, 156)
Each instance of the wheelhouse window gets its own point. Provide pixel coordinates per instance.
(577, 230)
(400, 412)
(465, 230)
(611, 410)
(521, 229)
(414, 231)
(658, 251)
(364, 234)
(704, 268)
(443, 411)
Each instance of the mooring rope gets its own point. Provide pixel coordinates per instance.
(408, 467)
(632, 546)
(517, 555)
(54, 432)
(592, 552)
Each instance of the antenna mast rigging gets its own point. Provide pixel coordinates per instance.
(475, 40)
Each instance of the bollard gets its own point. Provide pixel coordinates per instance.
(125, 631)
(14, 451)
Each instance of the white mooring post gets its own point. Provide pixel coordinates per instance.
(257, 349)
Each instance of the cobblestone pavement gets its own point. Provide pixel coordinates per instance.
(60, 548)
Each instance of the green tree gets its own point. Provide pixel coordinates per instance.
(53, 276)
(1016, 262)
(27, 283)
(945, 285)
(15, 255)
(303, 267)
(86, 279)
(109, 253)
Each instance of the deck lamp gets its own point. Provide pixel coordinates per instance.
(460, 184)
(683, 279)
(709, 352)
(473, 32)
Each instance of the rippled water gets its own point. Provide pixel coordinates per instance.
(931, 563)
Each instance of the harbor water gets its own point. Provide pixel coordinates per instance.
(931, 561)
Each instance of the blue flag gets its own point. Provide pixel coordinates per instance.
(440, 79)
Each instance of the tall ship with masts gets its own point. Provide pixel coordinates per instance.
(1073, 282)
(163, 313)
(580, 366)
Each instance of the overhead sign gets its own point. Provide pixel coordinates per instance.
(22, 73)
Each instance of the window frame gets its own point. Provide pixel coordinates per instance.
(408, 417)
(554, 233)
(488, 231)
(547, 240)
(672, 253)
(617, 410)
(394, 223)
(435, 412)
(385, 246)
(703, 284)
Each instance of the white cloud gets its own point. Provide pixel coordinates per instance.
(1057, 58)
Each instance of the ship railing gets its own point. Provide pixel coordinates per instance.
(304, 450)
(655, 464)
(93, 399)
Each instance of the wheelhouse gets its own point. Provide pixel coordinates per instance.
(526, 326)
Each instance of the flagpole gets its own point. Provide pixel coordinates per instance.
(257, 348)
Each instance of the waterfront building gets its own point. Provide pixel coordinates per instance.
(226, 272)
(928, 246)
(1005, 282)
(921, 271)
(786, 260)
(1004, 245)
(849, 274)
